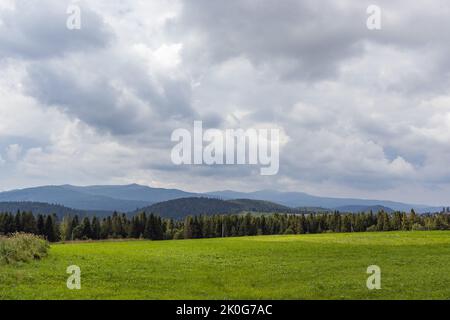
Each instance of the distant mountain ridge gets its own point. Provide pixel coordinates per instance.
(180, 208)
(133, 192)
(128, 198)
(98, 198)
(357, 209)
(48, 209)
(300, 199)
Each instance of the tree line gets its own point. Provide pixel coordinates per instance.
(153, 227)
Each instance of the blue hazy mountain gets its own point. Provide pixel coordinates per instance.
(128, 198)
(300, 199)
(99, 198)
(46, 209)
(133, 192)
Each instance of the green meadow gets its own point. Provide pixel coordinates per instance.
(414, 265)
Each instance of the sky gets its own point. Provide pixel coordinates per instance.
(362, 113)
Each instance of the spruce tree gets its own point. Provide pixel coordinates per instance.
(95, 229)
(49, 229)
(86, 228)
(40, 225)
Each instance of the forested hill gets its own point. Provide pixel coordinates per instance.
(46, 209)
(181, 208)
(260, 206)
(358, 209)
(178, 208)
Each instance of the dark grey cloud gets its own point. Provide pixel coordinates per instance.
(38, 30)
(87, 73)
(301, 39)
(311, 40)
(109, 93)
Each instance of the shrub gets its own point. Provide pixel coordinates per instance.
(22, 247)
(289, 231)
(418, 227)
(178, 235)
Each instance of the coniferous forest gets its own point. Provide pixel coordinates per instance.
(150, 226)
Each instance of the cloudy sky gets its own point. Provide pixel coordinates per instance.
(363, 113)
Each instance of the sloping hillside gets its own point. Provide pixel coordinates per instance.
(181, 208)
(259, 205)
(46, 209)
(358, 209)
(300, 199)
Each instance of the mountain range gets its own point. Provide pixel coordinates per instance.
(300, 199)
(129, 198)
(98, 198)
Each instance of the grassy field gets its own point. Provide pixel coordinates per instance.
(415, 265)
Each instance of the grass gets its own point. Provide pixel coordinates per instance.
(414, 265)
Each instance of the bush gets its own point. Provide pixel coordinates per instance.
(289, 231)
(178, 235)
(22, 247)
(418, 227)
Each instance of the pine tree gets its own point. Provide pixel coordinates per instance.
(49, 229)
(106, 228)
(134, 230)
(29, 222)
(65, 228)
(188, 228)
(18, 222)
(95, 229)
(40, 225)
(159, 230)
(86, 228)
